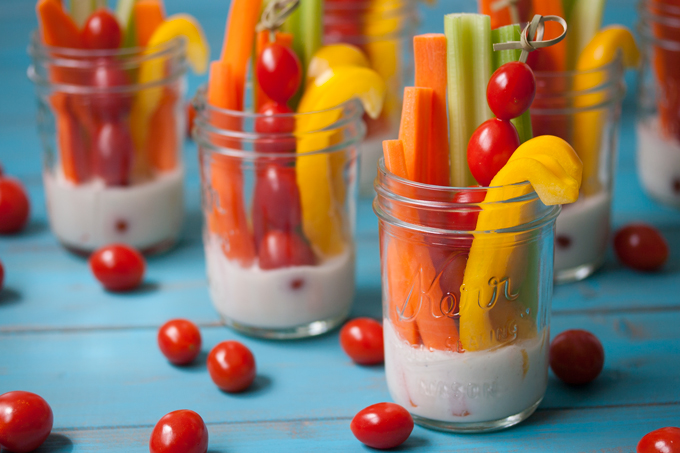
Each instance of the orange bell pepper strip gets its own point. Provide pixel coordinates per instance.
(553, 58)
(149, 14)
(504, 15)
(163, 144)
(56, 26)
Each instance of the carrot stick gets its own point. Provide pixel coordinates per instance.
(149, 15)
(163, 144)
(56, 26)
(238, 42)
(398, 260)
(504, 16)
(666, 63)
(72, 146)
(414, 130)
(553, 58)
(430, 70)
(228, 217)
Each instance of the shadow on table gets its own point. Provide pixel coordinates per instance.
(9, 296)
(56, 443)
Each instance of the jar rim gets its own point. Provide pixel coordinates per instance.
(82, 57)
(203, 129)
(616, 65)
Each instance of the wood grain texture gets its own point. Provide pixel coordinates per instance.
(93, 355)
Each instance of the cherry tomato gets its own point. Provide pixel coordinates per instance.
(108, 106)
(118, 267)
(663, 440)
(490, 147)
(362, 341)
(231, 366)
(641, 247)
(180, 431)
(101, 31)
(14, 206)
(511, 90)
(280, 249)
(179, 341)
(576, 356)
(276, 201)
(191, 117)
(382, 425)
(465, 218)
(25, 421)
(113, 153)
(277, 122)
(279, 72)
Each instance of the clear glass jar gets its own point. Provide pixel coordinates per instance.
(583, 108)
(279, 213)
(384, 30)
(466, 312)
(658, 113)
(111, 145)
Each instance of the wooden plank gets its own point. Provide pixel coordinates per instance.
(612, 430)
(119, 378)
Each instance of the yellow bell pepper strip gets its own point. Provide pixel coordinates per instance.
(126, 19)
(153, 70)
(322, 217)
(333, 56)
(589, 124)
(495, 268)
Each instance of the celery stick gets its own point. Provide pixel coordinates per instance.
(585, 22)
(469, 64)
(80, 10)
(505, 34)
(311, 29)
(126, 19)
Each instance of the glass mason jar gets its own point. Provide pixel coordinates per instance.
(658, 113)
(466, 312)
(279, 213)
(583, 108)
(384, 30)
(112, 145)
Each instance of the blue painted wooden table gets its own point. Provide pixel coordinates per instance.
(93, 355)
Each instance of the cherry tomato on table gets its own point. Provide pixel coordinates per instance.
(180, 341)
(576, 356)
(180, 431)
(490, 147)
(663, 440)
(280, 249)
(101, 31)
(14, 206)
(118, 267)
(25, 421)
(511, 90)
(382, 425)
(278, 72)
(231, 366)
(362, 341)
(641, 247)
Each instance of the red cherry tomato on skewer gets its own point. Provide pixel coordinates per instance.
(490, 147)
(278, 72)
(362, 341)
(231, 366)
(576, 356)
(101, 31)
(180, 341)
(277, 120)
(663, 440)
(109, 106)
(118, 267)
(276, 201)
(25, 421)
(641, 247)
(511, 90)
(180, 431)
(280, 249)
(14, 206)
(382, 425)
